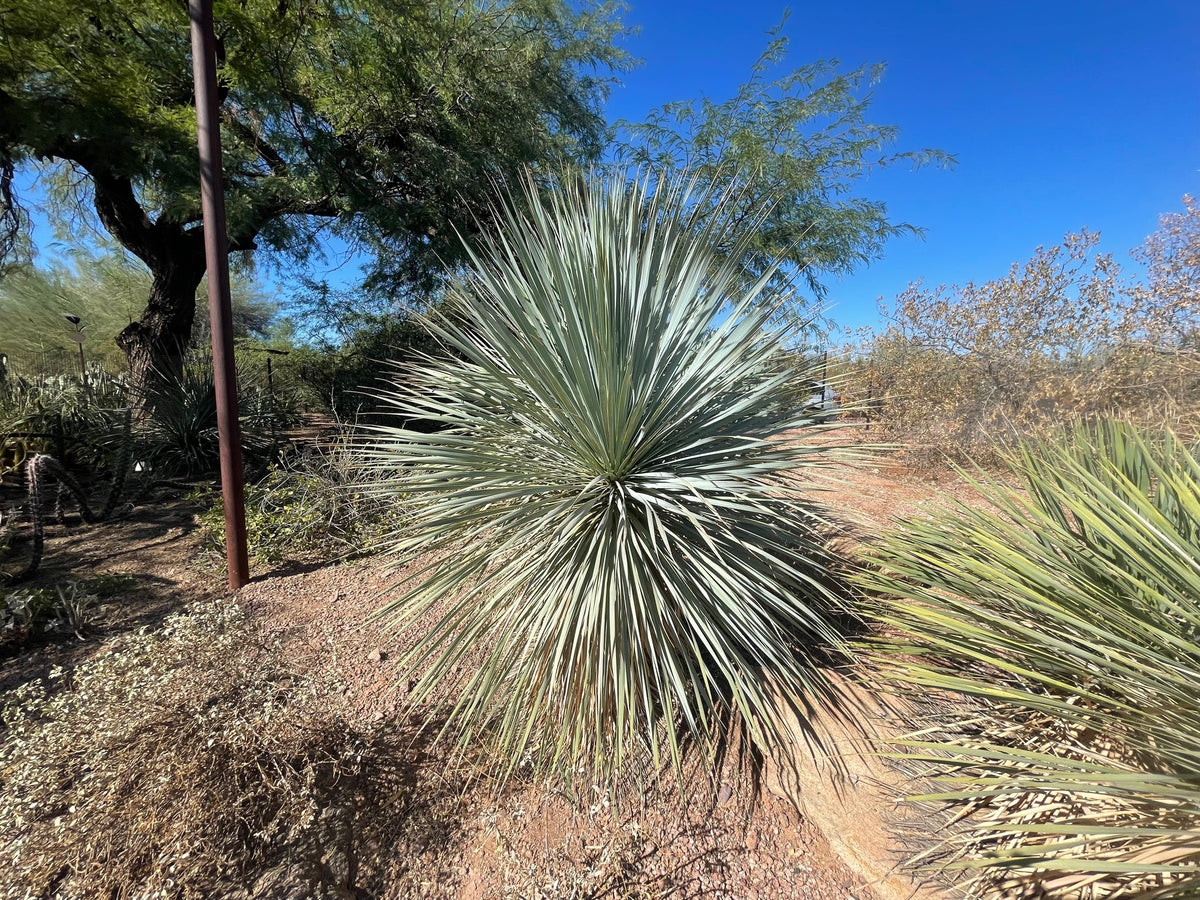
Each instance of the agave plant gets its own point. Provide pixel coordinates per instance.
(606, 514)
(1063, 614)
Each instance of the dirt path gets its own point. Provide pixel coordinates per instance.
(654, 841)
(144, 566)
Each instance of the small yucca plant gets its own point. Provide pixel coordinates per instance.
(606, 522)
(1062, 615)
(181, 436)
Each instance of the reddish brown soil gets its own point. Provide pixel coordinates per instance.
(653, 841)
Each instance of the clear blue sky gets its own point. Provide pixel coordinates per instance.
(1062, 114)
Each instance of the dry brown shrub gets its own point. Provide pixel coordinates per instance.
(1061, 338)
(180, 759)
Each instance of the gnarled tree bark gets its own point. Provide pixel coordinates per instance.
(156, 343)
(174, 253)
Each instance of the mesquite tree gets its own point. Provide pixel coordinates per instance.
(380, 121)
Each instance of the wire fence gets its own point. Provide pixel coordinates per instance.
(36, 363)
(33, 367)
(48, 363)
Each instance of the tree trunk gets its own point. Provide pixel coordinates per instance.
(174, 253)
(157, 342)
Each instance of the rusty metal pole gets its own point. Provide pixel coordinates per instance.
(208, 123)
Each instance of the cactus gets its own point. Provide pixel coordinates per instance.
(120, 467)
(60, 509)
(33, 485)
(39, 466)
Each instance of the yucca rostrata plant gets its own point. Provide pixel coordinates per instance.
(607, 525)
(1059, 623)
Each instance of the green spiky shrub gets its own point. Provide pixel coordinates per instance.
(608, 525)
(1058, 621)
(181, 437)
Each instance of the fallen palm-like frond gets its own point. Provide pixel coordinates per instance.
(1065, 614)
(620, 552)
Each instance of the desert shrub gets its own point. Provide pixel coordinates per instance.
(181, 437)
(315, 502)
(614, 531)
(267, 385)
(181, 758)
(27, 612)
(343, 379)
(73, 607)
(84, 427)
(23, 613)
(1061, 338)
(1059, 623)
(59, 415)
(266, 412)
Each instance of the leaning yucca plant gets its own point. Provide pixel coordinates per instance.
(606, 525)
(1059, 621)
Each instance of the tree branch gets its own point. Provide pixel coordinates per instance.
(275, 162)
(12, 217)
(123, 216)
(159, 244)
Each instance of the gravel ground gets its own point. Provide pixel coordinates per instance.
(653, 840)
(433, 831)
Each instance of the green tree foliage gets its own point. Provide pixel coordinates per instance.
(378, 121)
(795, 146)
(611, 527)
(1055, 626)
(344, 376)
(106, 291)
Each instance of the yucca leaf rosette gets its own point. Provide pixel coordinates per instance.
(1052, 628)
(608, 521)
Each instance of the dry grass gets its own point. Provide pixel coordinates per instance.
(181, 757)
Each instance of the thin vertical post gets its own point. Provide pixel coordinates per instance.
(826, 390)
(208, 124)
(83, 379)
